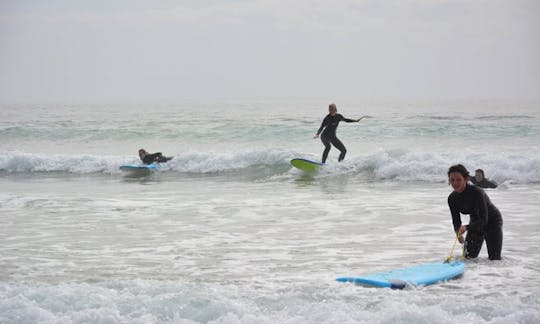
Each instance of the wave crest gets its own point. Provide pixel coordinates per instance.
(388, 165)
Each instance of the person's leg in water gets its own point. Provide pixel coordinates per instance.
(337, 143)
(162, 159)
(473, 244)
(327, 147)
(494, 238)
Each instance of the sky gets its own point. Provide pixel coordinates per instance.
(129, 51)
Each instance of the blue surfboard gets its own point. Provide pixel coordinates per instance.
(418, 275)
(139, 167)
(306, 165)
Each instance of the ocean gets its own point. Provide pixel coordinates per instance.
(229, 232)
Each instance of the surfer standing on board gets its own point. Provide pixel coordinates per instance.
(328, 136)
(485, 219)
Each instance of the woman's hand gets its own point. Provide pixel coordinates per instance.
(460, 232)
(316, 136)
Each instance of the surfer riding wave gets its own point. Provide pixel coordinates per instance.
(148, 158)
(328, 136)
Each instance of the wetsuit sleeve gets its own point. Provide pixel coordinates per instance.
(491, 184)
(348, 120)
(323, 124)
(456, 216)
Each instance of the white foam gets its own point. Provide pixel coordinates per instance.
(144, 301)
(395, 164)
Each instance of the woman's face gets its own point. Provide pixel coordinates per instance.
(479, 176)
(332, 110)
(457, 181)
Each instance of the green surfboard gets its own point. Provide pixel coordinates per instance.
(306, 165)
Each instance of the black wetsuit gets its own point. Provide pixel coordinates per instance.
(485, 221)
(485, 183)
(329, 135)
(154, 157)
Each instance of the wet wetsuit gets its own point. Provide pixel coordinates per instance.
(485, 183)
(485, 221)
(154, 157)
(329, 135)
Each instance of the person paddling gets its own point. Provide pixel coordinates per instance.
(480, 180)
(148, 158)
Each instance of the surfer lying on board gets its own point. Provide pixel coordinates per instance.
(480, 180)
(328, 136)
(485, 219)
(148, 158)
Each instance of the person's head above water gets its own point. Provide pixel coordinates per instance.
(142, 153)
(332, 109)
(458, 177)
(479, 175)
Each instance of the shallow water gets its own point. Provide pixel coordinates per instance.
(231, 233)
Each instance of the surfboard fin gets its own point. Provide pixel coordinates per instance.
(397, 284)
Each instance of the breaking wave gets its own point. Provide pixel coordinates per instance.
(390, 165)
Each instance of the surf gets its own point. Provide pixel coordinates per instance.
(401, 165)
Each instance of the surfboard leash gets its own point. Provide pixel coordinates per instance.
(451, 255)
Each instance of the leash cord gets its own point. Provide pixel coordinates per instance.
(451, 255)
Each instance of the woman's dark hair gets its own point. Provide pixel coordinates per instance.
(460, 169)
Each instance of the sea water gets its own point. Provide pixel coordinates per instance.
(229, 232)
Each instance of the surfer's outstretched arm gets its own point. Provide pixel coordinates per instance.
(348, 120)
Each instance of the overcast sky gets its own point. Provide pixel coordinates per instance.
(104, 51)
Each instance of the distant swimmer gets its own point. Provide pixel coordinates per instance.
(481, 181)
(328, 136)
(485, 219)
(148, 158)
